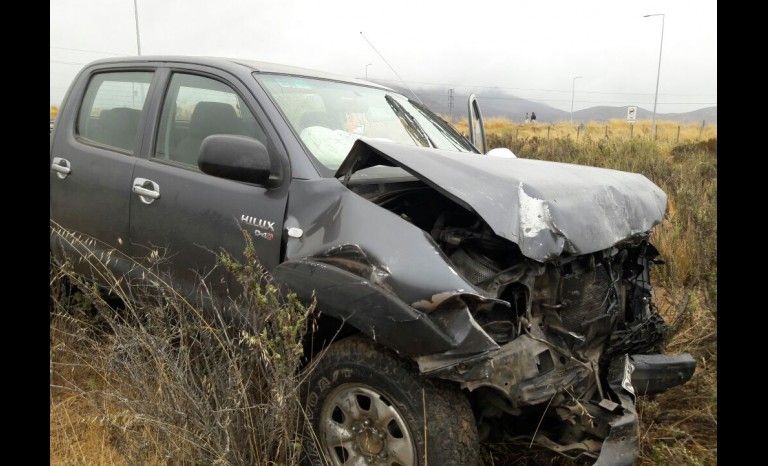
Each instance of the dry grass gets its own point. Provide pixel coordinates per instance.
(667, 131)
(139, 375)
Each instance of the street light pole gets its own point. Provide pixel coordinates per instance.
(366, 70)
(136, 19)
(573, 93)
(658, 72)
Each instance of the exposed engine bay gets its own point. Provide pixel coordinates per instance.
(570, 330)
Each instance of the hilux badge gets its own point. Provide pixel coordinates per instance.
(258, 222)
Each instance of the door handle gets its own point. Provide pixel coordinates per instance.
(147, 190)
(62, 167)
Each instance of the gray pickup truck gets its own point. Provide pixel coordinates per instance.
(477, 293)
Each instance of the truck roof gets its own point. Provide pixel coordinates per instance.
(230, 63)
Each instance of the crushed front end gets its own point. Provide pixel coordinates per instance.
(569, 344)
(546, 317)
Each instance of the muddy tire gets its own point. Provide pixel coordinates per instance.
(365, 404)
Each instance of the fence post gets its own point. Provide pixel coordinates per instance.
(631, 130)
(578, 130)
(678, 134)
(606, 131)
(548, 128)
(516, 130)
(701, 130)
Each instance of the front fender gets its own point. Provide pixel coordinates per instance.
(384, 317)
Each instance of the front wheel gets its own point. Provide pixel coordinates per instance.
(366, 406)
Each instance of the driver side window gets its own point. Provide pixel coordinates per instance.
(196, 107)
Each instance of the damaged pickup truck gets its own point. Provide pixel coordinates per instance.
(465, 294)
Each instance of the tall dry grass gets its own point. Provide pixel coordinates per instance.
(666, 131)
(141, 375)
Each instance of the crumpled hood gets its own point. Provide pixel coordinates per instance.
(546, 208)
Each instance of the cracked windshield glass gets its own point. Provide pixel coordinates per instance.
(329, 116)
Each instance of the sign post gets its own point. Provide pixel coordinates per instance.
(631, 114)
(631, 119)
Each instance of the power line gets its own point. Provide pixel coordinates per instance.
(628, 101)
(68, 62)
(592, 101)
(454, 85)
(429, 83)
(451, 95)
(87, 51)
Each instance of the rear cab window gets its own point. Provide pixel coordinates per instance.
(111, 109)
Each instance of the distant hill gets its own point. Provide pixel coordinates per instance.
(708, 114)
(497, 103)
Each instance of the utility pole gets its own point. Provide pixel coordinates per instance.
(136, 19)
(573, 93)
(658, 72)
(450, 103)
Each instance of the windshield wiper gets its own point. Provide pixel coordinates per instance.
(446, 129)
(416, 132)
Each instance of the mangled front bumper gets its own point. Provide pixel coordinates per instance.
(594, 411)
(655, 373)
(629, 376)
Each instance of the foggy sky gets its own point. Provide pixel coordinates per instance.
(529, 49)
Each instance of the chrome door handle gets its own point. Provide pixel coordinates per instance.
(62, 167)
(147, 190)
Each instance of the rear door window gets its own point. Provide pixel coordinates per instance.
(111, 109)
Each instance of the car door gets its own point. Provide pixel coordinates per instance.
(476, 125)
(92, 157)
(185, 216)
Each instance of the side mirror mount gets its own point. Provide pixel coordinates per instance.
(238, 158)
(476, 127)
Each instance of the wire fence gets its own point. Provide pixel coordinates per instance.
(666, 131)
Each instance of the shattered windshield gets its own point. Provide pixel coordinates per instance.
(329, 116)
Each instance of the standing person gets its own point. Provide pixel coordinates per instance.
(527, 119)
(533, 117)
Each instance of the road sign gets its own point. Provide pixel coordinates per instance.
(631, 114)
